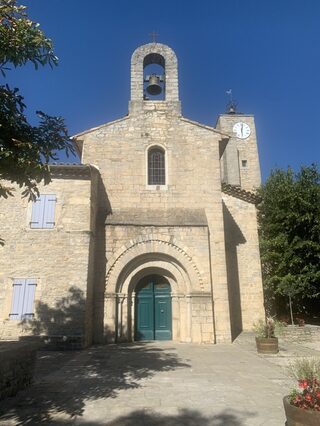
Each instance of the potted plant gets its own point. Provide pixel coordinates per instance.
(266, 340)
(302, 405)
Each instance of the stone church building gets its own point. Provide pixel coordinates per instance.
(154, 234)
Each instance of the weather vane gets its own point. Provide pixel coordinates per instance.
(231, 105)
(154, 36)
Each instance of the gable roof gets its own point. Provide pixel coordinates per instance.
(205, 126)
(93, 129)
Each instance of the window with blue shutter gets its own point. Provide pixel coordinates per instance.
(43, 212)
(17, 299)
(23, 298)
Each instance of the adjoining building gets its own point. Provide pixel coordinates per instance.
(153, 236)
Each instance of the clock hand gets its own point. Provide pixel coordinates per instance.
(241, 129)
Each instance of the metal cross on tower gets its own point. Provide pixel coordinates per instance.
(154, 36)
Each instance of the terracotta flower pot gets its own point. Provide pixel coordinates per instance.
(267, 345)
(299, 416)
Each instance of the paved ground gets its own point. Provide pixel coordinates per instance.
(153, 384)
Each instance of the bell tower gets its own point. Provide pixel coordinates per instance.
(156, 89)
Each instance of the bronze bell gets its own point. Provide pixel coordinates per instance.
(154, 87)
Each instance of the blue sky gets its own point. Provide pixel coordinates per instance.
(266, 51)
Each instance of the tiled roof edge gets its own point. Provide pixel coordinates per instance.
(241, 194)
(71, 170)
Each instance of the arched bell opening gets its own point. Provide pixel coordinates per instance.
(158, 59)
(154, 77)
(153, 309)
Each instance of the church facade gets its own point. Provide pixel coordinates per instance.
(152, 237)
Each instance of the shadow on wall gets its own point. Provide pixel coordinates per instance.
(63, 325)
(233, 237)
(86, 376)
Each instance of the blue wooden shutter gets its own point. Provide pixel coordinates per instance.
(27, 310)
(49, 211)
(17, 299)
(38, 212)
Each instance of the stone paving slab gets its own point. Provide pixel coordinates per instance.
(157, 383)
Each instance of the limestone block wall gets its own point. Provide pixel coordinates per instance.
(202, 318)
(296, 334)
(56, 258)
(119, 150)
(243, 264)
(194, 240)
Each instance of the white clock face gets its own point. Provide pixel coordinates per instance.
(242, 130)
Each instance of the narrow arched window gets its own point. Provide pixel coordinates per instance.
(156, 166)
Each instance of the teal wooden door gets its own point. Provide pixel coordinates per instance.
(153, 310)
(145, 312)
(162, 312)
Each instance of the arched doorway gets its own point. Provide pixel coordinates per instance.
(153, 312)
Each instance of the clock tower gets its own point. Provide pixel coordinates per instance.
(240, 161)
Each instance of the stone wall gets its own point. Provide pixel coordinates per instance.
(243, 264)
(58, 260)
(202, 318)
(17, 361)
(194, 241)
(119, 149)
(296, 334)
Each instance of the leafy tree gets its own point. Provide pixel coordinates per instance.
(289, 220)
(25, 150)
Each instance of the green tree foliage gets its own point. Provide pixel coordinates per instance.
(289, 220)
(25, 150)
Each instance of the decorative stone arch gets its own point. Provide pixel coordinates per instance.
(149, 255)
(159, 54)
(162, 245)
(153, 264)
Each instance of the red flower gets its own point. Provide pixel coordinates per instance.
(303, 383)
(318, 394)
(308, 397)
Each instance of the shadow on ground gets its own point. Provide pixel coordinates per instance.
(184, 418)
(86, 376)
